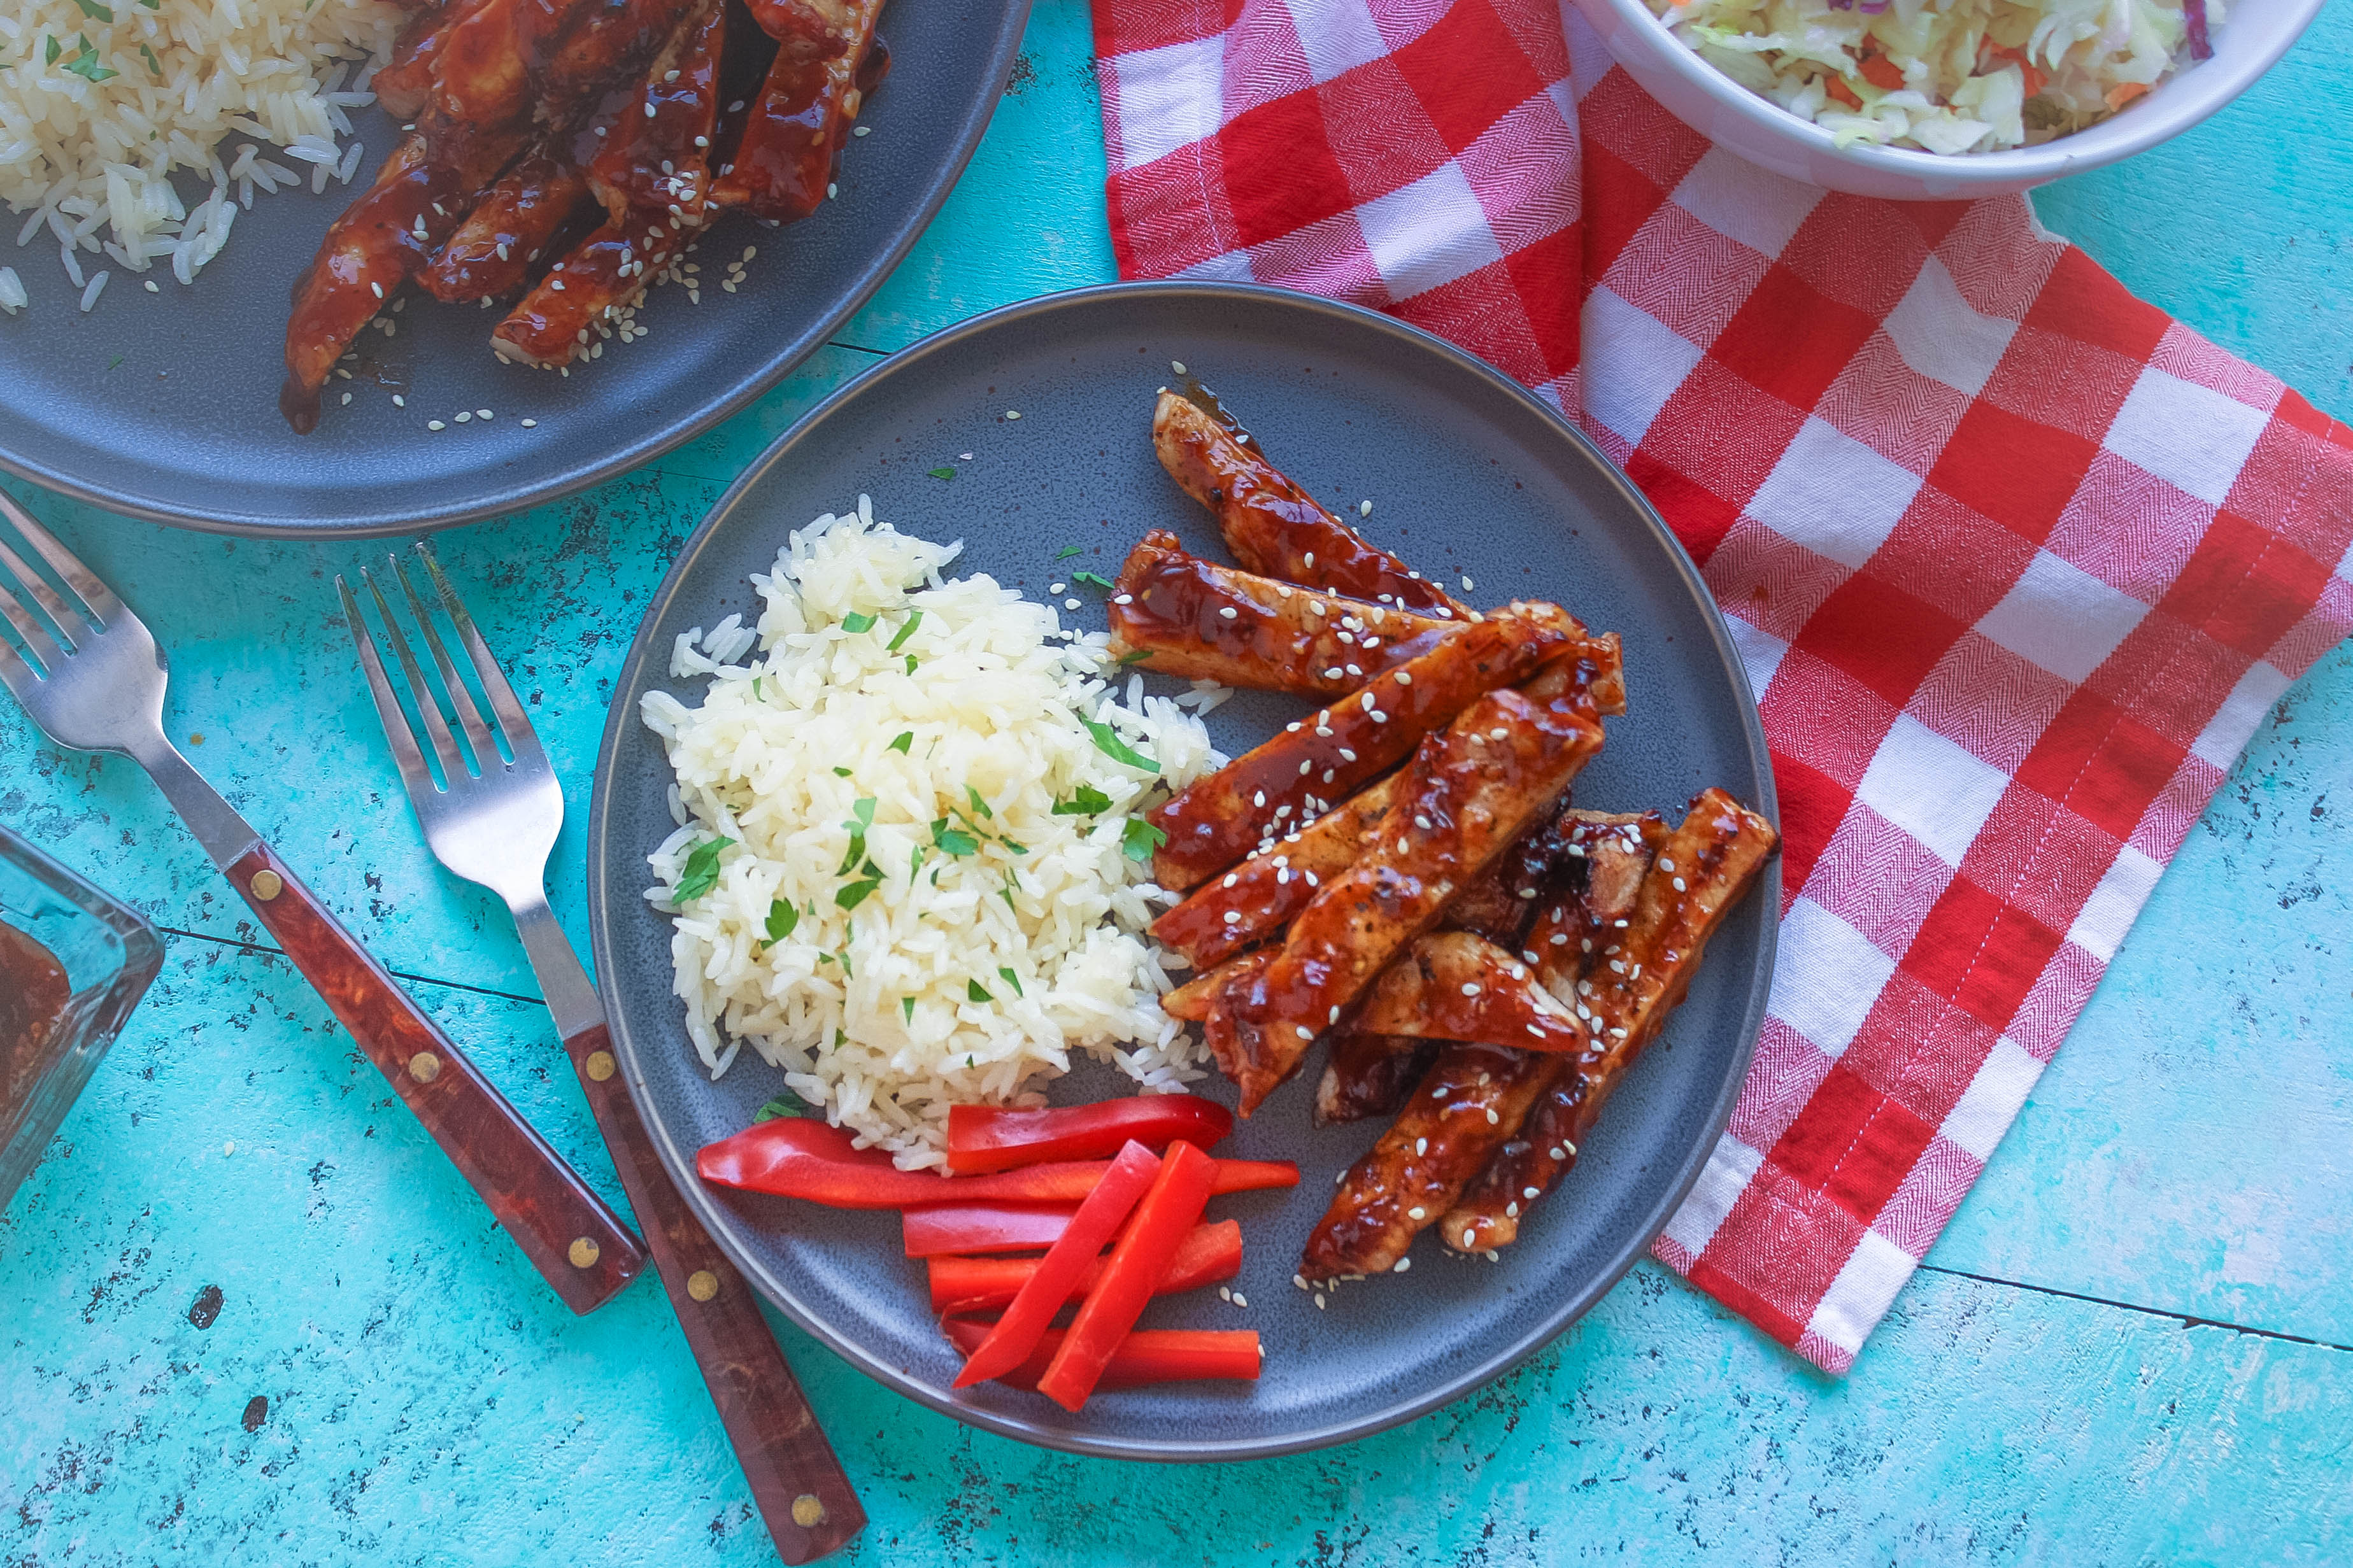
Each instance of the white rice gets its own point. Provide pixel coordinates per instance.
(887, 1041)
(83, 150)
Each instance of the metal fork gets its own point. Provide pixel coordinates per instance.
(493, 820)
(93, 679)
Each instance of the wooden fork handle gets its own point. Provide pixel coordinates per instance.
(576, 1242)
(808, 1503)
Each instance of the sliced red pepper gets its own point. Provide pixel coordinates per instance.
(1209, 1254)
(1148, 1355)
(1133, 1174)
(1170, 1210)
(993, 1138)
(799, 1157)
(936, 1230)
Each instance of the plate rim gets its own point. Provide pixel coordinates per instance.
(723, 1224)
(1012, 26)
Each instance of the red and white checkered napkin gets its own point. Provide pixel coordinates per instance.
(2016, 562)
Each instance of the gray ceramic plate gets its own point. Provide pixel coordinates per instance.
(1470, 474)
(166, 405)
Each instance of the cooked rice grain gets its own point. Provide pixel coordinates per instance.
(874, 1013)
(90, 138)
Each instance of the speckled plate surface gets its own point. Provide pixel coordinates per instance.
(1471, 475)
(164, 406)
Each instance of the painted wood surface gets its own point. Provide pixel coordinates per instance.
(249, 1314)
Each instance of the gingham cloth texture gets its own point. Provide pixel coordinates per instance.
(2016, 562)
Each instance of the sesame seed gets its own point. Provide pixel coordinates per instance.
(1241, 1300)
(1258, 798)
(1335, 673)
(435, 425)
(347, 399)
(484, 414)
(1232, 877)
(1310, 878)
(1013, 414)
(1177, 365)
(1499, 733)
(1319, 1300)
(531, 424)
(1528, 1193)
(1364, 509)
(1422, 822)
(1354, 670)
(1124, 599)
(1305, 1031)
(462, 417)
(1225, 1294)
(1300, 1281)
(1292, 728)
(1368, 701)
(1422, 1145)
(1467, 1236)
(1233, 917)
(1559, 1154)
(1404, 678)
(1467, 584)
(1282, 590)
(1438, 1093)
(831, 191)
(1309, 558)
(1380, 717)
(1230, 612)
(1665, 863)
(1493, 1119)
(1560, 939)
(399, 400)
(1416, 1212)
(1512, 1210)
(1056, 587)
(1679, 885)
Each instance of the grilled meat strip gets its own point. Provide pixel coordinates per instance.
(1715, 853)
(650, 176)
(1205, 621)
(406, 81)
(1468, 792)
(1259, 897)
(1431, 1153)
(1216, 821)
(1368, 1075)
(492, 254)
(785, 158)
(1274, 527)
(1454, 985)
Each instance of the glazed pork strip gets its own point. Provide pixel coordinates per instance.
(382, 240)
(1417, 1169)
(650, 178)
(494, 252)
(1204, 621)
(1274, 527)
(810, 30)
(785, 158)
(1469, 791)
(1454, 985)
(1368, 1075)
(1251, 801)
(406, 82)
(1259, 897)
(1716, 854)
(1590, 892)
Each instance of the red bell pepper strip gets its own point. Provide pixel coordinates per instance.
(966, 1285)
(994, 1138)
(937, 1230)
(1032, 1309)
(1148, 1355)
(1170, 1210)
(799, 1157)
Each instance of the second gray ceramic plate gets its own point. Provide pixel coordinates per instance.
(164, 406)
(1471, 477)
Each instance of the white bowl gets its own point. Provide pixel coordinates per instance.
(1738, 120)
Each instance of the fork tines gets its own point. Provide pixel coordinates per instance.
(481, 752)
(69, 627)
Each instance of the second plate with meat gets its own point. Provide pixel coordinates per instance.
(1027, 435)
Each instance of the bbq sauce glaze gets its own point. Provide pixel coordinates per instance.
(32, 996)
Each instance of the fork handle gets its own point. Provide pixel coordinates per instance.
(806, 1499)
(577, 1243)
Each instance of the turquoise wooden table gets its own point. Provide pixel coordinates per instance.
(249, 1315)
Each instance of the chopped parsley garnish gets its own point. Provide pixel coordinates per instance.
(954, 840)
(1011, 979)
(1011, 846)
(942, 472)
(840, 1039)
(1006, 893)
(1139, 839)
(94, 11)
(786, 1104)
(701, 870)
(1108, 742)
(49, 51)
(1105, 583)
(153, 64)
(1089, 802)
(904, 739)
(906, 629)
(782, 919)
(856, 622)
(85, 64)
(756, 688)
(864, 819)
(911, 664)
(976, 991)
(978, 805)
(1138, 656)
(907, 1007)
(1068, 551)
(848, 973)
(841, 773)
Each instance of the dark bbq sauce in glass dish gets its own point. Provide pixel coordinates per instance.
(33, 997)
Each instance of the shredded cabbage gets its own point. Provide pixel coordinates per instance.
(1947, 76)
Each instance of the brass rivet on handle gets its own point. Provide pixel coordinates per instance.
(584, 1252)
(267, 885)
(807, 1512)
(599, 1065)
(702, 1284)
(424, 1067)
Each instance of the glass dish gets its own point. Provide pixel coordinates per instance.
(110, 954)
